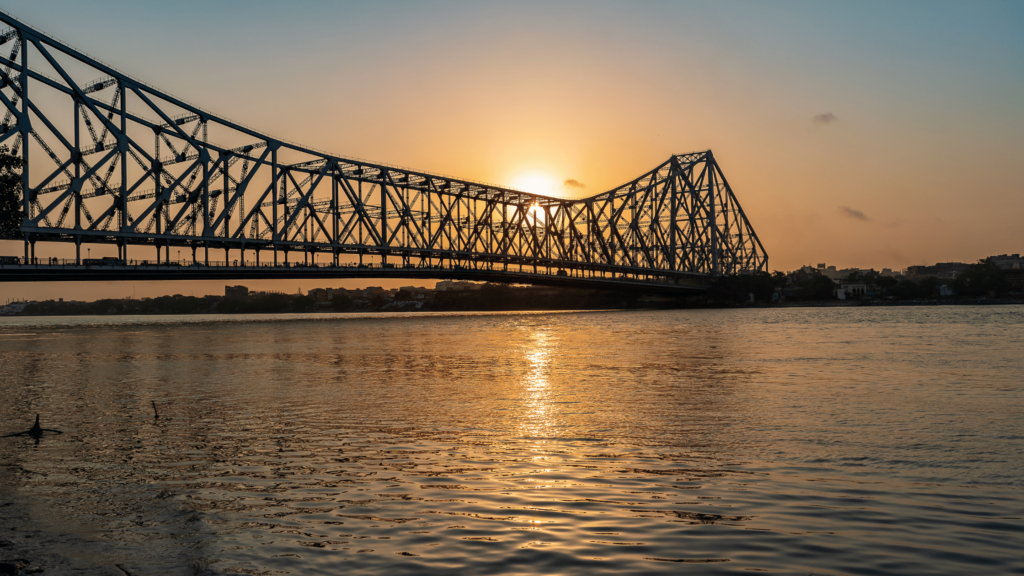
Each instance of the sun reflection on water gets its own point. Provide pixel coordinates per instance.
(536, 388)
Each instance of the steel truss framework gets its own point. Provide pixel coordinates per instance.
(111, 159)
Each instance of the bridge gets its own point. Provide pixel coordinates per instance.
(111, 160)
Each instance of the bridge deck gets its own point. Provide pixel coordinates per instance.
(70, 272)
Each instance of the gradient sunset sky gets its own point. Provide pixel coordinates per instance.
(867, 134)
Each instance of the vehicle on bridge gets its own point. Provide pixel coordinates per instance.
(104, 261)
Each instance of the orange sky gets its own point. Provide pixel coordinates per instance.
(917, 155)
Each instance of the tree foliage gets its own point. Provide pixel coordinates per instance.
(981, 279)
(377, 301)
(11, 213)
(341, 301)
(818, 287)
(737, 288)
(907, 289)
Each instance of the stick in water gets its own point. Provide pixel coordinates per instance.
(35, 431)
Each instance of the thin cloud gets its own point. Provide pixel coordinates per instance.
(854, 213)
(573, 183)
(823, 119)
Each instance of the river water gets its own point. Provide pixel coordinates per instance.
(793, 441)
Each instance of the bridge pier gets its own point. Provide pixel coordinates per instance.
(78, 250)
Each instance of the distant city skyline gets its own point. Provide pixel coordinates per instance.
(894, 142)
(90, 291)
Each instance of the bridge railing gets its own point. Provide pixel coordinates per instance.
(44, 266)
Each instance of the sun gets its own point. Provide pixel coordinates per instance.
(535, 183)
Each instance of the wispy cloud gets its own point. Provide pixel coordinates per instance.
(573, 183)
(854, 213)
(823, 119)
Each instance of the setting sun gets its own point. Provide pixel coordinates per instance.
(535, 183)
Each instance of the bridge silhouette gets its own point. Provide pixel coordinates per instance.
(112, 160)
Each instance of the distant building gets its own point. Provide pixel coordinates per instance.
(319, 294)
(942, 270)
(828, 271)
(835, 275)
(455, 285)
(265, 293)
(14, 308)
(239, 292)
(1008, 261)
(853, 291)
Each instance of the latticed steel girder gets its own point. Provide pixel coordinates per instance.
(111, 159)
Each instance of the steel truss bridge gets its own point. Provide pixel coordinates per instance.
(112, 160)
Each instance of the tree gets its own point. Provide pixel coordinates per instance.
(930, 286)
(886, 282)
(341, 301)
(378, 301)
(11, 213)
(817, 287)
(779, 279)
(982, 278)
(302, 303)
(737, 288)
(907, 289)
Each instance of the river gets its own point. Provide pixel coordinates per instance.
(793, 441)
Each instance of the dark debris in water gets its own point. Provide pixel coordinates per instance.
(690, 560)
(36, 431)
(698, 516)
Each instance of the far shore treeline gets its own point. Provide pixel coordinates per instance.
(984, 282)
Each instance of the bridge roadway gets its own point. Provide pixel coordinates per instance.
(69, 271)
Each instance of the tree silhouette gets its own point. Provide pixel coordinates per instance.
(982, 279)
(11, 214)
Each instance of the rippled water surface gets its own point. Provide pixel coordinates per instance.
(795, 441)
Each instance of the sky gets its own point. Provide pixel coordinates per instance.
(858, 134)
